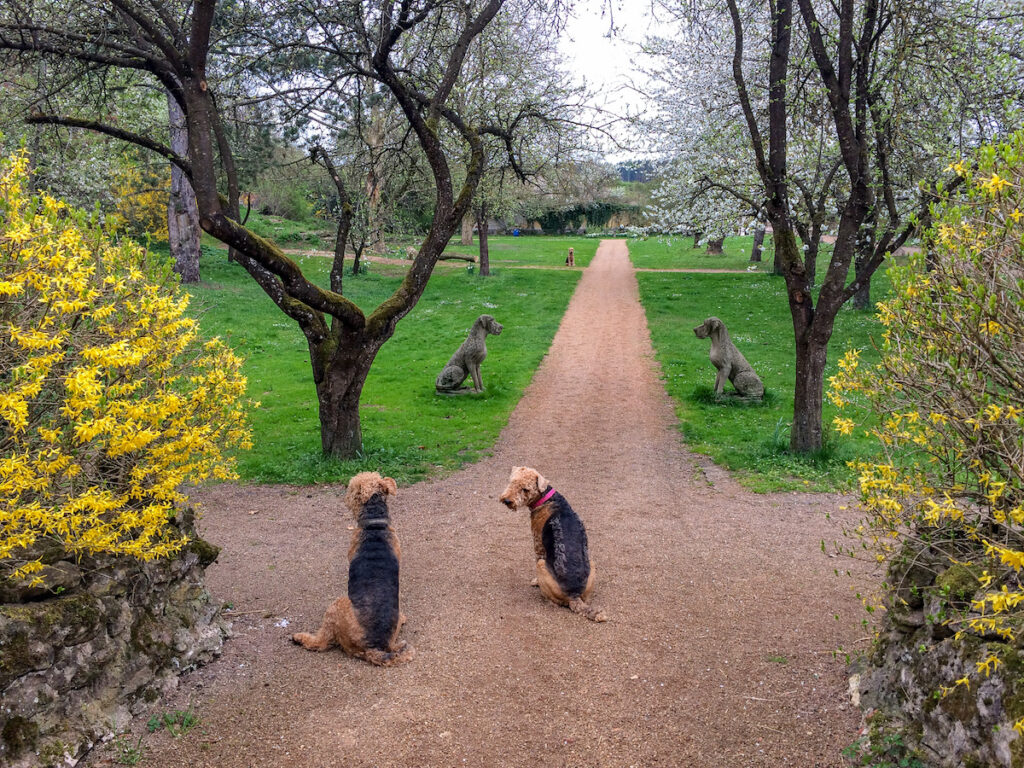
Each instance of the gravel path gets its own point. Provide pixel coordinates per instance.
(719, 648)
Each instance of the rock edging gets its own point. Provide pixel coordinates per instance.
(918, 653)
(74, 666)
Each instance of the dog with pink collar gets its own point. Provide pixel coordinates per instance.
(565, 573)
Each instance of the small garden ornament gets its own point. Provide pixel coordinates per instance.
(729, 361)
(467, 359)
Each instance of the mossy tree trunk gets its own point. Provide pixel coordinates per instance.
(340, 368)
(482, 231)
(182, 213)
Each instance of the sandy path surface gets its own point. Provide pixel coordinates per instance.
(719, 651)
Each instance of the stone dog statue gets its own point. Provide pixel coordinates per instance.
(467, 358)
(729, 361)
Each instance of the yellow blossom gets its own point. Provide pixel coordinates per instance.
(111, 402)
(995, 184)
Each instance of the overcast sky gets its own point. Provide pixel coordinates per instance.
(609, 62)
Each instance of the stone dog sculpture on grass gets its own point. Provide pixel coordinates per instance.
(729, 361)
(467, 358)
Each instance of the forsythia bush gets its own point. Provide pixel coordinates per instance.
(949, 397)
(141, 200)
(109, 401)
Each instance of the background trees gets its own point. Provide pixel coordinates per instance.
(415, 52)
(848, 112)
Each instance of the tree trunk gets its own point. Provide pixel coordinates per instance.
(481, 226)
(337, 265)
(755, 251)
(339, 385)
(715, 246)
(182, 211)
(467, 229)
(811, 261)
(696, 239)
(862, 298)
(375, 225)
(776, 262)
(811, 332)
(357, 257)
(865, 247)
(811, 355)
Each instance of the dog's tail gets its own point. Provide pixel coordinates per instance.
(580, 606)
(381, 658)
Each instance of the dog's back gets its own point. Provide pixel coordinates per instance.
(373, 576)
(565, 545)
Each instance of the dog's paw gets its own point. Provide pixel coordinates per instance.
(535, 583)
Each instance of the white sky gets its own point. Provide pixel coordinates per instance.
(609, 62)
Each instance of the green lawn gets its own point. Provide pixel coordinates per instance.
(531, 250)
(751, 439)
(315, 233)
(409, 432)
(662, 252)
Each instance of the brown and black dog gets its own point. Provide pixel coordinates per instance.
(366, 623)
(565, 573)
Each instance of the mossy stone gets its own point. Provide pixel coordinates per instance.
(204, 550)
(53, 754)
(81, 615)
(961, 705)
(17, 658)
(959, 582)
(19, 735)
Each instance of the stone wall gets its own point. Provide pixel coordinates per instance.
(76, 664)
(918, 653)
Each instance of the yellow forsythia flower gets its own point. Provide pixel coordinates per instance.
(109, 400)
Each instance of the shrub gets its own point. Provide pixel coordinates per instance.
(948, 397)
(109, 401)
(140, 194)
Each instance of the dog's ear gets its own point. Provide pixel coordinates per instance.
(391, 486)
(352, 500)
(542, 484)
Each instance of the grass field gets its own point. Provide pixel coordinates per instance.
(751, 439)
(312, 234)
(531, 250)
(409, 432)
(679, 253)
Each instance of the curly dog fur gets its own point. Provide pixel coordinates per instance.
(366, 623)
(565, 573)
(729, 361)
(467, 359)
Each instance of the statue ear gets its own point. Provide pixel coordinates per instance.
(391, 485)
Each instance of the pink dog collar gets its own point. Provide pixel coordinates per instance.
(542, 499)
